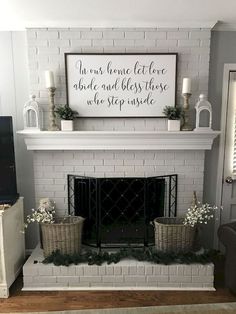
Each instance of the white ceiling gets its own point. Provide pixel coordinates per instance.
(18, 14)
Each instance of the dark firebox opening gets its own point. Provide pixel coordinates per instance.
(118, 211)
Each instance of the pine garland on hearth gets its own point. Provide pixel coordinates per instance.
(98, 258)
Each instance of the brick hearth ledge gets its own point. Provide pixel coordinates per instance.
(125, 275)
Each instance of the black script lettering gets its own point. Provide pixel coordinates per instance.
(152, 70)
(144, 69)
(95, 100)
(98, 71)
(139, 68)
(109, 87)
(136, 102)
(111, 70)
(114, 101)
(127, 84)
(150, 85)
(83, 86)
(79, 66)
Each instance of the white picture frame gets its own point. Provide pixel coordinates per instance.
(120, 85)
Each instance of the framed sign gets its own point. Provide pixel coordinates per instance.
(120, 85)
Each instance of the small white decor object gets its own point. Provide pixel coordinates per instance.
(49, 79)
(66, 114)
(32, 115)
(174, 115)
(203, 105)
(186, 88)
(173, 125)
(67, 125)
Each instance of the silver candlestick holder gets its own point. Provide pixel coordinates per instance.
(186, 125)
(52, 116)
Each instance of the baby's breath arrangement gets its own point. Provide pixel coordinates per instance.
(199, 214)
(44, 213)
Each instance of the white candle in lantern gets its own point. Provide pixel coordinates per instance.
(49, 79)
(186, 89)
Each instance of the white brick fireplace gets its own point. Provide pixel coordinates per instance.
(46, 49)
(51, 169)
(117, 147)
(118, 154)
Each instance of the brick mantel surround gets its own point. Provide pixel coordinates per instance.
(46, 48)
(117, 147)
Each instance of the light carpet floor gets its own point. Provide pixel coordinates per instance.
(219, 308)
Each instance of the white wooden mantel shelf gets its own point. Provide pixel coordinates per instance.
(118, 140)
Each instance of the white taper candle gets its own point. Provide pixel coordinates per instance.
(49, 79)
(186, 89)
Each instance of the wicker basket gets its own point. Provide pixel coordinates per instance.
(172, 236)
(64, 235)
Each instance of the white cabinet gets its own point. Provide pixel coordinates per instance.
(12, 245)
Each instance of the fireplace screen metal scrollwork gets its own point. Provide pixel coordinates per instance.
(118, 211)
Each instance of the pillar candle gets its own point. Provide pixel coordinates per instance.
(49, 79)
(186, 89)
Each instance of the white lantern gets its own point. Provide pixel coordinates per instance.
(203, 106)
(32, 115)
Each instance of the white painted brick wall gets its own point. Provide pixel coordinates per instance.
(46, 49)
(51, 170)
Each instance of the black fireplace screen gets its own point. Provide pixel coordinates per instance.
(118, 211)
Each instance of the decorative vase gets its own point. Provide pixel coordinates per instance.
(173, 125)
(67, 125)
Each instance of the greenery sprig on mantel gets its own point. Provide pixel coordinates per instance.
(65, 112)
(173, 112)
(148, 255)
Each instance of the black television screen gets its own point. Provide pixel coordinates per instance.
(8, 189)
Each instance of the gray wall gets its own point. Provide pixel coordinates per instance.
(223, 50)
